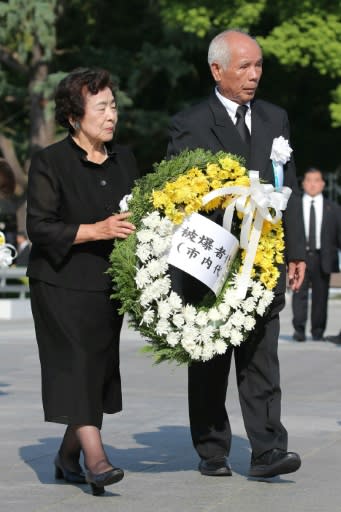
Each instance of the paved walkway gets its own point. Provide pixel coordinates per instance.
(150, 439)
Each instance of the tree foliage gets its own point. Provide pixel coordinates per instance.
(156, 51)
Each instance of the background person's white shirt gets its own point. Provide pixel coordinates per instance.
(318, 204)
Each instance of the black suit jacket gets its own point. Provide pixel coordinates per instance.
(330, 236)
(208, 126)
(64, 191)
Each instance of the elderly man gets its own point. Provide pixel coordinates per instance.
(233, 121)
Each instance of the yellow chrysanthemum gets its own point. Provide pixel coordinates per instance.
(184, 196)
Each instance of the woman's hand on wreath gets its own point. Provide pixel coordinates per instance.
(115, 226)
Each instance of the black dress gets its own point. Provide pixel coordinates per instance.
(77, 325)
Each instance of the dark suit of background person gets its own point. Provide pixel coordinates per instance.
(74, 189)
(209, 126)
(322, 257)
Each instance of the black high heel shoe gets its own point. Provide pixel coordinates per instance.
(98, 481)
(73, 477)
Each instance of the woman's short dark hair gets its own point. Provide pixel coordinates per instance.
(70, 93)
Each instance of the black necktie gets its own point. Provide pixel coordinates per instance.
(312, 227)
(241, 125)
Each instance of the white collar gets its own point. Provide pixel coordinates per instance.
(316, 199)
(231, 106)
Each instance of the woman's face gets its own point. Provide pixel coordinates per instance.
(100, 117)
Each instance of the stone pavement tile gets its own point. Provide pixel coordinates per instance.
(150, 439)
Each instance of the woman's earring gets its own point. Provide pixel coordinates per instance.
(76, 126)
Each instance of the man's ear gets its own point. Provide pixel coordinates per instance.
(216, 71)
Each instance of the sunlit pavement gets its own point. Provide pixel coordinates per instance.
(150, 439)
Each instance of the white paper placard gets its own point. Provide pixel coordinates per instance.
(204, 250)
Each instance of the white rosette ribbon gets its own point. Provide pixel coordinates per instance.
(280, 155)
(258, 202)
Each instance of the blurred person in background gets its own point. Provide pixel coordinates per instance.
(322, 222)
(8, 205)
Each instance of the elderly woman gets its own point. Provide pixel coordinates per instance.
(74, 189)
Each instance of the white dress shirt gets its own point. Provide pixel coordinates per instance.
(231, 108)
(318, 204)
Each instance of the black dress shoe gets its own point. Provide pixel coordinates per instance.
(334, 339)
(99, 480)
(217, 467)
(73, 477)
(318, 337)
(298, 336)
(274, 462)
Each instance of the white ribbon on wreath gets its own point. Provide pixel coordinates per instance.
(258, 202)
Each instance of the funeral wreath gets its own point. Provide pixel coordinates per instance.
(163, 205)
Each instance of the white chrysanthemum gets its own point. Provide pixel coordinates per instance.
(237, 319)
(196, 353)
(206, 333)
(231, 298)
(173, 338)
(178, 320)
(163, 285)
(165, 227)
(160, 245)
(157, 267)
(152, 220)
(190, 333)
(261, 308)
(188, 343)
(249, 304)
(189, 313)
(249, 323)
(142, 278)
(201, 319)
(268, 297)
(143, 252)
(164, 309)
(162, 327)
(224, 310)
(225, 330)
(236, 337)
(220, 347)
(148, 317)
(175, 301)
(147, 296)
(214, 315)
(208, 351)
(257, 289)
(145, 235)
(123, 204)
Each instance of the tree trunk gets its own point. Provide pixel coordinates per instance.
(9, 153)
(41, 128)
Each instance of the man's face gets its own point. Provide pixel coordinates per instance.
(313, 183)
(239, 80)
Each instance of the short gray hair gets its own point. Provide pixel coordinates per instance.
(219, 48)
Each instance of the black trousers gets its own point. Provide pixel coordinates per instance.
(319, 283)
(258, 380)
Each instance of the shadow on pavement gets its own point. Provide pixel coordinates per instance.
(169, 449)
